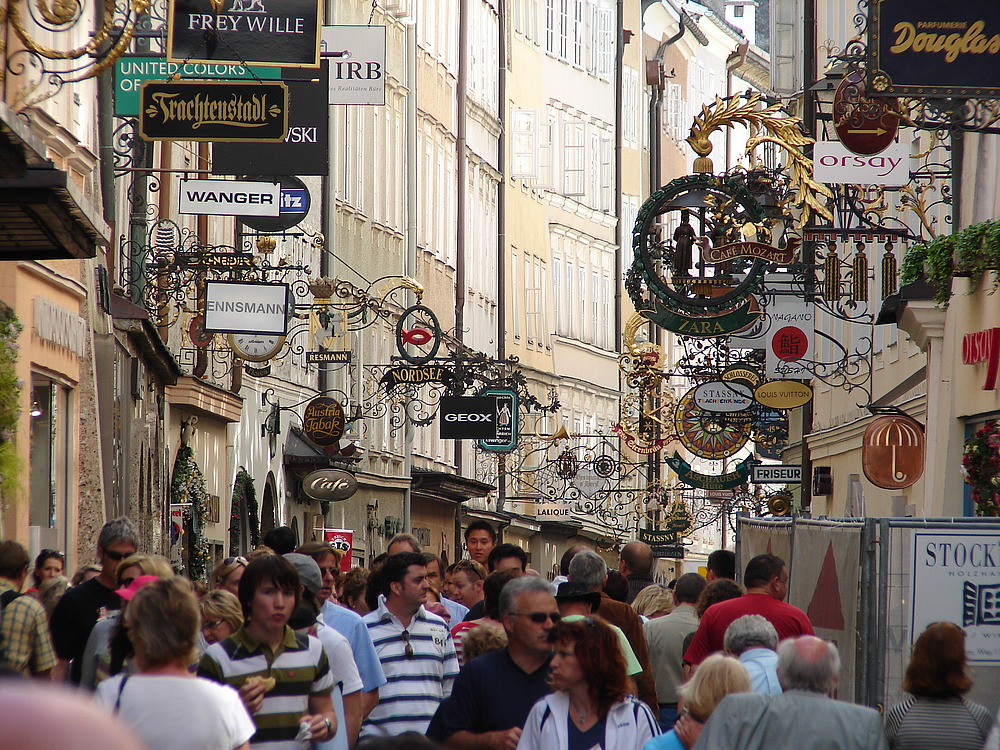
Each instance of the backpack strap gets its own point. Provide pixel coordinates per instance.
(7, 597)
(121, 687)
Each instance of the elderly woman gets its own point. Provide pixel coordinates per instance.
(227, 574)
(936, 715)
(592, 703)
(221, 616)
(717, 677)
(167, 706)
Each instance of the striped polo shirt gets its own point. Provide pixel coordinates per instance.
(416, 684)
(300, 667)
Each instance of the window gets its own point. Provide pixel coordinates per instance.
(738, 11)
(529, 306)
(551, 25)
(515, 295)
(547, 152)
(524, 156)
(576, 32)
(630, 107)
(604, 44)
(51, 449)
(574, 166)
(607, 193)
(557, 292)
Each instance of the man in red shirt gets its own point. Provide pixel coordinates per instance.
(766, 580)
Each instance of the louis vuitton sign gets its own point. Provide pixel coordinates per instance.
(263, 32)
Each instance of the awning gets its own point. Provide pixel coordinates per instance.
(450, 488)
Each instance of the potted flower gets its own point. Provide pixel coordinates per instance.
(981, 462)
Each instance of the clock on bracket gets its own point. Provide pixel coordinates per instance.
(256, 347)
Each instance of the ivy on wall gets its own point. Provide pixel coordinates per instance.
(187, 486)
(244, 503)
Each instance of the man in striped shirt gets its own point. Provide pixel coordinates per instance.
(415, 648)
(266, 647)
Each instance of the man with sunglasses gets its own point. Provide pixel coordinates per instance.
(494, 693)
(81, 606)
(414, 646)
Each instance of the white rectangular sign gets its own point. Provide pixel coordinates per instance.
(554, 511)
(230, 198)
(357, 63)
(775, 474)
(956, 578)
(246, 307)
(789, 340)
(834, 164)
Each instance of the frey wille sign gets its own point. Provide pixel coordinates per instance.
(196, 111)
(262, 32)
(930, 48)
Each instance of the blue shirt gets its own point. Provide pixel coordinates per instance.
(593, 737)
(456, 610)
(492, 694)
(668, 741)
(761, 664)
(349, 624)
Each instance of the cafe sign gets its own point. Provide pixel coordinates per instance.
(323, 421)
(329, 485)
(930, 48)
(213, 111)
(262, 32)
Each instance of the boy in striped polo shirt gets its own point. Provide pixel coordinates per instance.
(266, 647)
(415, 648)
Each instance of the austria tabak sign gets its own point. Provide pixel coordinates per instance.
(262, 32)
(199, 111)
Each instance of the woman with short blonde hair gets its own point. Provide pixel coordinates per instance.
(221, 615)
(654, 601)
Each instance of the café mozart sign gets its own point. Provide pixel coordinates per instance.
(226, 111)
(282, 33)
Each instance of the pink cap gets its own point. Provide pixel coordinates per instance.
(129, 591)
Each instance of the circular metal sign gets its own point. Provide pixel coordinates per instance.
(323, 420)
(783, 394)
(892, 452)
(741, 374)
(720, 396)
(329, 485)
(865, 125)
(707, 434)
(295, 203)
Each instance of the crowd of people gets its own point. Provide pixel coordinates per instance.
(282, 649)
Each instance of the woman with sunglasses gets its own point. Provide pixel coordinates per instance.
(937, 715)
(227, 574)
(592, 705)
(221, 616)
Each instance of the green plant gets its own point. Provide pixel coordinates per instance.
(187, 487)
(981, 462)
(10, 404)
(244, 502)
(973, 251)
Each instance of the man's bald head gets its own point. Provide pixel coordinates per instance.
(33, 717)
(636, 558)
(808, 663)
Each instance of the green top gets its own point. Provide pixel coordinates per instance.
(631, 663)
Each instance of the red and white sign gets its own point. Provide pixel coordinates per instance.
(983, 346)
(834, 164)
(790, 339)
(343, 540)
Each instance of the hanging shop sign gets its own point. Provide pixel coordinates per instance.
(722, 253)
(468, 417)
(983, 346)
(893, 451)
(741, 373)
(341, 540)
(707, 434)
(305, 148)
(507, 421)
(357, 63)
(214, 260)
(719, 396)
(247, 307)
(834, 164)
(418, 335)
(783, 394)
(553, 511)
(229, 198)
(770, 433)
(417, 376)
(864, 124)
(650, 536)
(788, 344)
(638, 443)
(329, 485)
(323, 420)
(336, 357)
(726, 481)
(294, 203)
(196, 111)
(776, 474)
(737, 319)
(263, 32)
(132, 72)
(930, 48)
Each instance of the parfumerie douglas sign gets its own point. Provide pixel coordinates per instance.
(230, 198)
(261, 32)
(246, 307)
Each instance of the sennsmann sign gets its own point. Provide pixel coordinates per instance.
(246, 307)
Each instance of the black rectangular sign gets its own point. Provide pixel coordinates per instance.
(229, 111)
(259, 32)
(304, 151)
(930, 48)
(468, 417)
(657, 537)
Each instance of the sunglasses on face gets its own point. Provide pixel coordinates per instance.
(235, 561)
(405, 635)
(211, 624)
(539, 617)
(126, 582)
(117, 556)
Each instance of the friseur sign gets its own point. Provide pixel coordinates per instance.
(930, 48)
(262, 32)
(197, 111)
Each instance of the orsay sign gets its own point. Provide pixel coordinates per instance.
(329, 485)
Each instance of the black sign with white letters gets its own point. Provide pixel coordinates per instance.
(468, 417)
(306, 148)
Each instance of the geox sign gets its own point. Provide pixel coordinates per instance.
(199, 111)
(262, 32)
(468, 417)
(230, 198)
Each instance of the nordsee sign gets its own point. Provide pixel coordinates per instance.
(246, 307)
(230, 198)
(834, 164)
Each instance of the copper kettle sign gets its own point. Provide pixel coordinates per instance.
(892, 452)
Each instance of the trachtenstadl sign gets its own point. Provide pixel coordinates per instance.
(264, 32)
(834, 164)
(247, 307)
(229, 198)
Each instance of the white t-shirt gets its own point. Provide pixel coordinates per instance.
(346, 677)
(179, 713)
